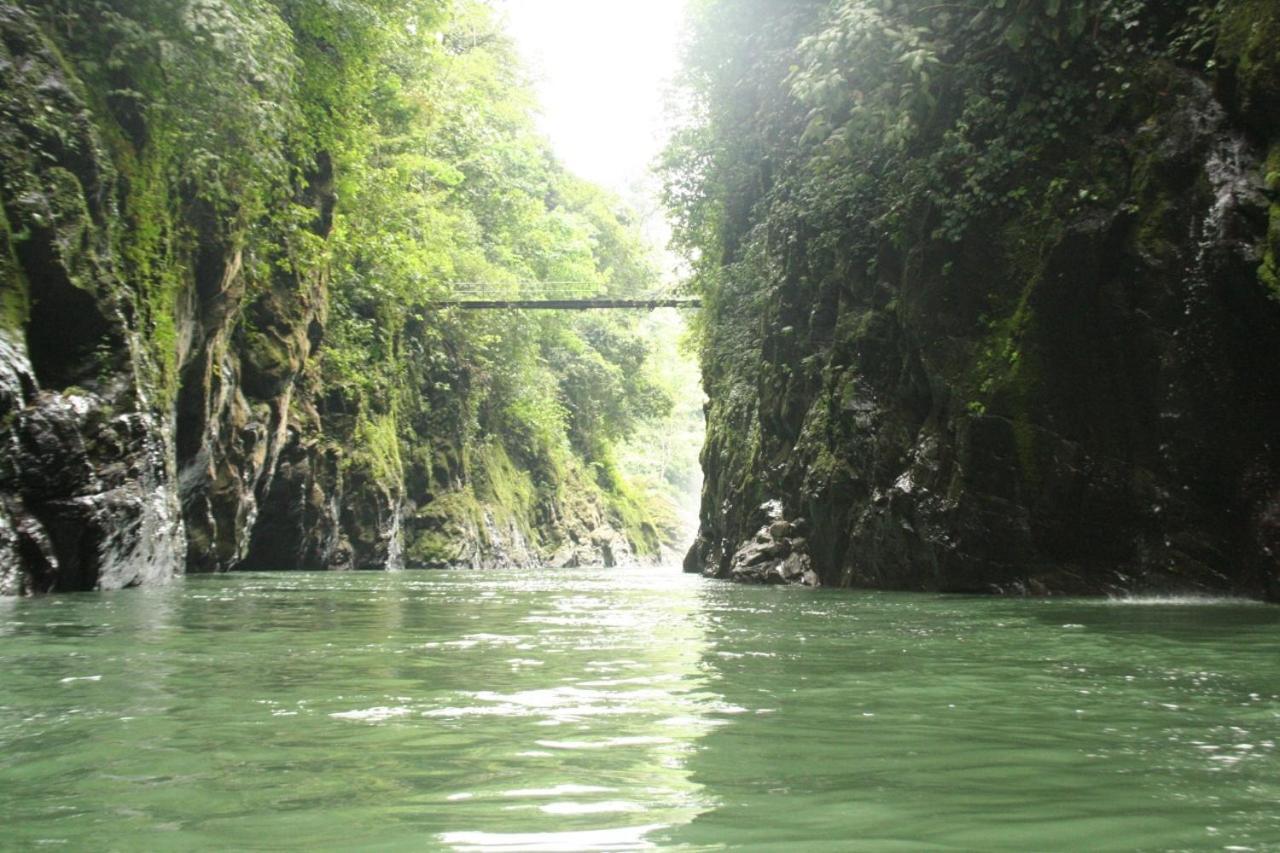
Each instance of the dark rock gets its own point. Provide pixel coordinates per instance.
(795, 567)
(765, 559)
(780, 530)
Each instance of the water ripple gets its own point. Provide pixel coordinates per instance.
(632, 710)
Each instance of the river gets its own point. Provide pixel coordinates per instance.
(612, 710)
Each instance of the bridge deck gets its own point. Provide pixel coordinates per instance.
(566, 304)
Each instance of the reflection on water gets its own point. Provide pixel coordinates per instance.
(598, 710)
(927, 722)
(484, 711)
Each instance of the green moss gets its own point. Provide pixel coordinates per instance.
(498, 481)
(14, 300)
(378, 447)
(636, 522)
(1000, 353)
(154, 263)
(507, 489)
(73, 224)
(1026, 386)
(855, 325)
(430, 548)
(1269, 270)
(1249, 31)
(1152, 235)
(265, 351)
(439, 531)
(1158, 194)
(508, 493)
(1007, 378)
(445, 457)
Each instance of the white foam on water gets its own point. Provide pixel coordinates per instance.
(559, 791)
(604, 744)
(605, 807)
(1185, 601)
(627, 838)
(372, 715)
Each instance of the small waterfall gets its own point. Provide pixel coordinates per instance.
(144, 537)
(17, 382)
(395, 539)
(1233, 170)
(1221, 250)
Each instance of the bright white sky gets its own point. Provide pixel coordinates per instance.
(601, 68)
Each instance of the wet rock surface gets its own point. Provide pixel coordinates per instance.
(88, 503)
(777, 554)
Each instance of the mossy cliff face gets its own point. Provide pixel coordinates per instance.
(87, 477)
(147, 404)
(1077, 397)
(165, 309)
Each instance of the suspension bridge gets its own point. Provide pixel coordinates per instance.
(559, 296)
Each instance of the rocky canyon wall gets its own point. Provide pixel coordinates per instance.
(1072, 393)
(162, 406)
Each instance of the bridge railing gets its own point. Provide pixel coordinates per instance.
(569, 295)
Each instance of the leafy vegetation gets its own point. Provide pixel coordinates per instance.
(865, 112)
(854, 125)
(458, 188)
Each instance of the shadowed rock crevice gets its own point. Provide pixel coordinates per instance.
(69, 340)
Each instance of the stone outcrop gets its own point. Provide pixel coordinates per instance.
(777, 554)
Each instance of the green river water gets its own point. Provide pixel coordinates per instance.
(614, 710)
